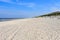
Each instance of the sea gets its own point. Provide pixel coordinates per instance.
(7, 19)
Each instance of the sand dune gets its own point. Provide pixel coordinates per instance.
(31, 29)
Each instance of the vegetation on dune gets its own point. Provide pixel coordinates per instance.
(51, 14)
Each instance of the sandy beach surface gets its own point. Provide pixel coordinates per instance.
(30, 29)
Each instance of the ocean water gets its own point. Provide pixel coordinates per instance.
(6, 19)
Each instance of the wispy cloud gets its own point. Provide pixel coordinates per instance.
(6, 1)
(17, 2)
(56, 6)
(28, 4)
(54, 9)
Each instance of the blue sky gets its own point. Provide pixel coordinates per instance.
(27, 8)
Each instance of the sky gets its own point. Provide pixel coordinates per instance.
(27, 8)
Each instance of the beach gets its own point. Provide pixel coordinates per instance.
(30, 29)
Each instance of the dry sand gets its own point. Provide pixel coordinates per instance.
(30, 29)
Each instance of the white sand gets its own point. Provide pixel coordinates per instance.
(30, 29)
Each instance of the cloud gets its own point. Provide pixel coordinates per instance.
(6, 1)
(55, 9)
(56, 6)
(27, 4)
(18, 2)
